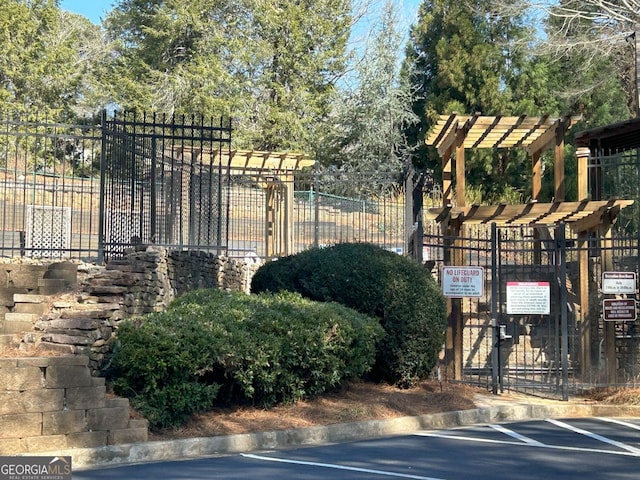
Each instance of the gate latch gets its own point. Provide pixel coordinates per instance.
(502, 333)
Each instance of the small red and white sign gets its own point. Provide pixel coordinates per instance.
(528, 298)
(459, 282)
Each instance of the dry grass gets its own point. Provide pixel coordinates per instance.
(354, 402)
(615, 396)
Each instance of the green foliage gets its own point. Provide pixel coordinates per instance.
(45, 57)
(371, 280)
(213, 347)
(271, 65)
(365, 133)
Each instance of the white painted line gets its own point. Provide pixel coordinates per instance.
(520, 444)
(595, 436)
(515, 435)
(620, 422)
(337, 467)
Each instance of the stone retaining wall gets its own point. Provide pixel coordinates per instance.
(55, 403)
(145, 281)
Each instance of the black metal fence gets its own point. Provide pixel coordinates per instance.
(93, 189)
(164, 183)
(49, 190)
(557, 353)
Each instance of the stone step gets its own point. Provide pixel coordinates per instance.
(18, 322)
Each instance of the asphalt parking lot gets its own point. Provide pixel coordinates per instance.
(575, 448)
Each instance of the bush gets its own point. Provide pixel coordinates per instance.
(229, 348)
(374, 281)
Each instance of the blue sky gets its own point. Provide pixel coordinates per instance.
(94, 10)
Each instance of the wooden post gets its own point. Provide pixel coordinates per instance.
(461, 181)
(584, 316)
(457, 315)
(271, 207)
(558, 168)
(536, 176)
(582, 155)
(287, 219)
(447, 176)
(536, 189)
(455, 322)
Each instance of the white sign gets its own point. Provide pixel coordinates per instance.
(528, 298)
(619, 282)
(459, 282)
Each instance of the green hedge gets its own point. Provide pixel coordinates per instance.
(374, 281)
(218, 348)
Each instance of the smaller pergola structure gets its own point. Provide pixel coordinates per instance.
(274, 172)
(452, 136)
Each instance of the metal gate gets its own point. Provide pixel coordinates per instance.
(163, 183)
(531, 317)
(539, 324)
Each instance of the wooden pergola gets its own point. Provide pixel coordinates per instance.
(452, 136)
(274, 172)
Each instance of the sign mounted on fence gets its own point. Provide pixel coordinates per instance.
(619, 282)
(459, 282)
(619, 309)
(528, 298)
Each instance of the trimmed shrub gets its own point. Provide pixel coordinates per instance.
(374, 281)
(230, 348)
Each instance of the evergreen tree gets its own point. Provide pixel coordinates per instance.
(464, 58)
(47, 56)
(270, 64)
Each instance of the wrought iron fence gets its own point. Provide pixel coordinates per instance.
(49, 193)
(163, 182)
(571, 349)
(91, 189)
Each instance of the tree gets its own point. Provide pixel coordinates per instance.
(269, 64)
(368, 120)
(590, 37)
(465, 58)
(46, 57)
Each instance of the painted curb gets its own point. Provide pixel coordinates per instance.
(113, 455)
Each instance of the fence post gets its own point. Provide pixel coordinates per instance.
(316, 207)
(495, 338)
(103, 171)
(561, 246)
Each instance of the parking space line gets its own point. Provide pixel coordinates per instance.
(515, 435)
(520, 444)
(595, 436)
(620, 422)
(337, 467)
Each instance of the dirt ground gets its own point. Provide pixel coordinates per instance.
(363, 401)
(354, 402)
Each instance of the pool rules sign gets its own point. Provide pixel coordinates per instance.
(459, 282)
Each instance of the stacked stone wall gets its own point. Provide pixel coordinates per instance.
(54, 403)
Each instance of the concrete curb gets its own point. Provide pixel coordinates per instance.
(84, 458)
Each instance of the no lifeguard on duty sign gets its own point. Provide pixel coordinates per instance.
(459, 282)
